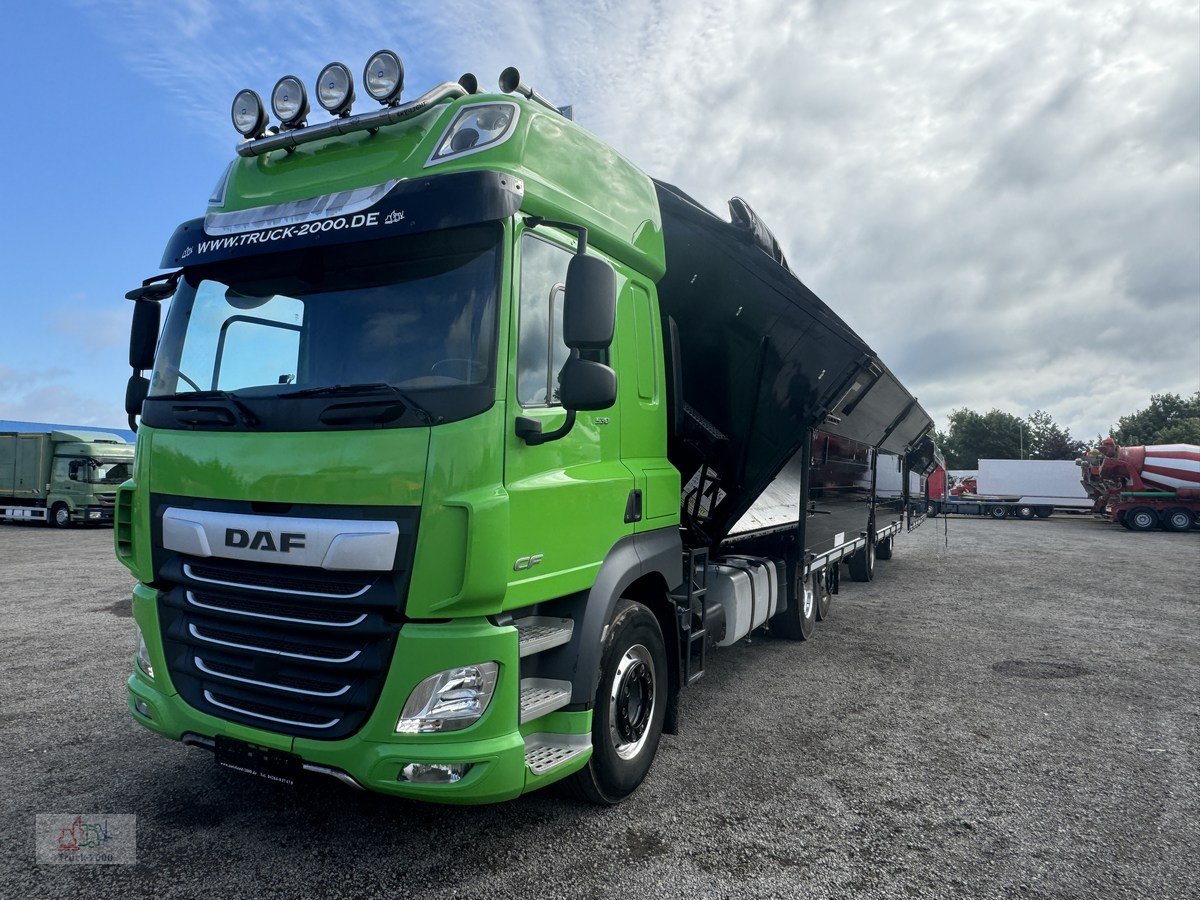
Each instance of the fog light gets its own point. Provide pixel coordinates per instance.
(434, 773)
(143, 707)
(94, 514)
(143, 657)
(450, 700)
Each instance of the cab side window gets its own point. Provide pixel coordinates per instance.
(541, 352)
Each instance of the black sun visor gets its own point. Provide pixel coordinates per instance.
(392, 209)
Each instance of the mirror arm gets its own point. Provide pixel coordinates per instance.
(530, 430)
(580, 231)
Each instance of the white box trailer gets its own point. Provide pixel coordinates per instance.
(1025, 488)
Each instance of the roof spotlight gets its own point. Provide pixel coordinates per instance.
(335, 89)
(289, 100)
(248, 113)
(383, 77)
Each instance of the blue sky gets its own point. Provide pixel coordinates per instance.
(1003, 197)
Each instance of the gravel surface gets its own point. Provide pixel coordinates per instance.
(905, 751)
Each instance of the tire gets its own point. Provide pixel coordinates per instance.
(1121, 520)
(1026, 512)
(862, 563)
(796, 623)
(931, 510)
(1141, 518)
(884, 549)
(1177, 519)
(998, 512)
(822, 596)
(60, 516)
(633, 675)
(1043, 512)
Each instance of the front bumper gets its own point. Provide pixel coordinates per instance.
(94, 515)
(374, 756)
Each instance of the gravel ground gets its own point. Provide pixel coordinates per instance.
(887, 757)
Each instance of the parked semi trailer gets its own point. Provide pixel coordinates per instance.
(61, 477)
(1024, 488)
(1144, 488)
(465, 441)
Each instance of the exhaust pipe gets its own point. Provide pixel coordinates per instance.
(469, 83)
(510, 82)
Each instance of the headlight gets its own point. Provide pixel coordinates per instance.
(249, 115)
(289, 100)
(450, 700)
(335, 89)
(476, 127)
(143, 657)
(383, 77)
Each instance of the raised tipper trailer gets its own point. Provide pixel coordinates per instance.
(465, 441)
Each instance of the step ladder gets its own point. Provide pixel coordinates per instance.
(538, 633)
(546, 752)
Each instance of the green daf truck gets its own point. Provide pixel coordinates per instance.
(62, 477)
(464, 441)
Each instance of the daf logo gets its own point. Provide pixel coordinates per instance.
(264, 540)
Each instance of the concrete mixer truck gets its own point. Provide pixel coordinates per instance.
(1144, 488)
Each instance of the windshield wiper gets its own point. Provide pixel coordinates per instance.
(372, 387)
(246, 414)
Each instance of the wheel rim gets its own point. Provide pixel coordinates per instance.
(1181, 520)
(808, 600)
(61, 516)
(632, 701)
(1143, 520)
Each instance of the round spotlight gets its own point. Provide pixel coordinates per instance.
(248, 113)
(384, 77)
(289, 100)
(335, 89)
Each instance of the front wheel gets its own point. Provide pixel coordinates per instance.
(60, 515)
(862, 563)
(631, 702)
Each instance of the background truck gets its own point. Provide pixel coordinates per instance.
(62, 477)
(1024, 488)
(465, 441)
(1143, 488)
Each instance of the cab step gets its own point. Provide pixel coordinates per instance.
(545, 752)
(538, 633)
(542, 695)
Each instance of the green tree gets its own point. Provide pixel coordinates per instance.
(973, 436)
(1169, 419)
(1046, 439)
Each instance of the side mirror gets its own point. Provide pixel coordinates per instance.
(143, 334)
(587, 385)
(590, 304)
(136, 390)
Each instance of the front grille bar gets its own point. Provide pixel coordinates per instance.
(190, 573)
(267, 684)
(245, 712)
(194, 632)
(191, 599)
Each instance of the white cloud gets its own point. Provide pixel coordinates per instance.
(1002, 197)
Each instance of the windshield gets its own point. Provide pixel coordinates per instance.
(109, 471)
(417, 314)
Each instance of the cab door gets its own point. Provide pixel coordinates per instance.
(567, 497)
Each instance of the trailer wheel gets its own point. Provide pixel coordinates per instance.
(1177, 519)
(862, 563)
(822, 596)
(1026, 512)
(998, 512)
(60, 516)
(883, 550)
(631, 703)
(1141, 518)
(1043, 512)
(796, 623)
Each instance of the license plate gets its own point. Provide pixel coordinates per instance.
(274, 765)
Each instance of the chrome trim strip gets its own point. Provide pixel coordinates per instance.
(196, 740)
(245, 712)
(191, 598)
(325, 659)
(389, 115)
(278, 687)
(187, 570)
